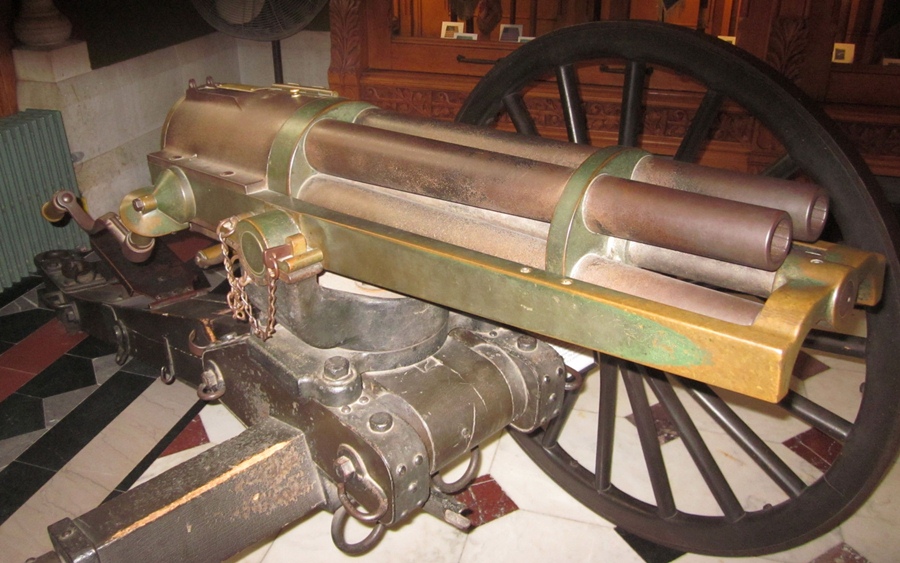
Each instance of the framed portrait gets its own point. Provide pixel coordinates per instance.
(843, 53)
(466, 36)
(450, 29)
(509, 32)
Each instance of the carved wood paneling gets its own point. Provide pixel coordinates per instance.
(346, 42)
(788, 46)
(874, 139)
(423, 102)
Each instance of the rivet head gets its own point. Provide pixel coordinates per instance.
(381, 422)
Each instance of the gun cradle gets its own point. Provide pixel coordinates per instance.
(440, 235)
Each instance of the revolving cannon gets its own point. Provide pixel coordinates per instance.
(598, 248)
(399, 277)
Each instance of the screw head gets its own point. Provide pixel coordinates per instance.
(381, 422)
(336, 367)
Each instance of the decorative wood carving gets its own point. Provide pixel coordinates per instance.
(788, 45)
(346, 43)
(875, 139)
(423, 102)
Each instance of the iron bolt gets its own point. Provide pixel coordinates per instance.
(344, 467)
(337, 367)
(526, 343)
(381, 422)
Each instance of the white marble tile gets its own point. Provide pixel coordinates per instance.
(531, 489)
(872, 530)
(219, 423)
(114, 452)
(525, 537)
(695, 558)
(423, 538)
(810, 550)
(67, 494)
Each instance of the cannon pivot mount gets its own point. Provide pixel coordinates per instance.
(596, 247)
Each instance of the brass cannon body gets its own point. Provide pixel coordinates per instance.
(597, 248)
(400, 278)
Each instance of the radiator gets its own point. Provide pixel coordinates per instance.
(34, 163)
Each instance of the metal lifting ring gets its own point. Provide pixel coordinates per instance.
(206, 394)
(574, 378)
(462, 482)
(337, 534)
(167, 375)
(349, 505)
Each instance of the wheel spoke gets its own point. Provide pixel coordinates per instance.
(518, 113)
(573, 111)
(698, 131)
(632, 94)
(756, 448)
(832, 342)
(784, 168)
(646, 426)
(817, 416)
(696, 447)
(606, 422)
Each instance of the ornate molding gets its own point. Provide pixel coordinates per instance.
(346, 36)
(424, 102)
(788, 45)
(874, 139)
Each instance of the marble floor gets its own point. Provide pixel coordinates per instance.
(76, 429)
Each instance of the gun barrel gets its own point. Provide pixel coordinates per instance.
(807, 204)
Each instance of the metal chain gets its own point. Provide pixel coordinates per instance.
(237, 299)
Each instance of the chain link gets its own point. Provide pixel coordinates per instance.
(237, 299)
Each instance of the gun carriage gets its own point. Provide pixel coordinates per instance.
(393, 283)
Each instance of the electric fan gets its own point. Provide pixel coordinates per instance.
(260, 20)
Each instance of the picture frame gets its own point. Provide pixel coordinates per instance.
(450, 29)
(466, 36)
(728, 39)
(510, 32)
(525, 38)
(843, 53)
